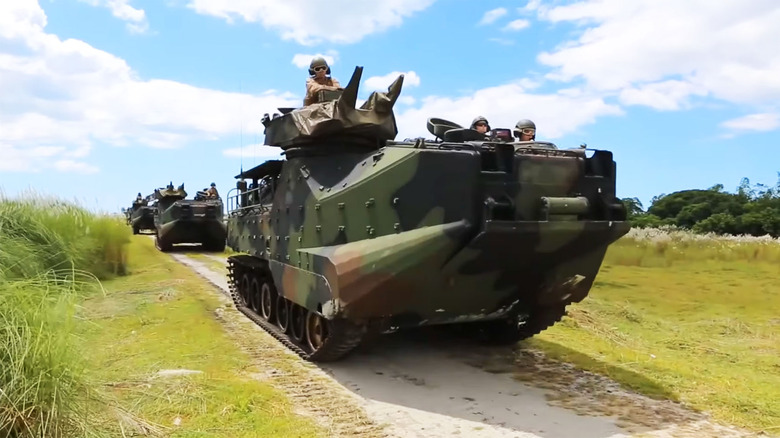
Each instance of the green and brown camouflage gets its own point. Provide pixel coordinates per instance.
(356, 232)
(180, 220)
(140, 216)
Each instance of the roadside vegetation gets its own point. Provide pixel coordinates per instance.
(52, 253)
(156, 341)
(101, 335)
(753, 209)
(686, 315)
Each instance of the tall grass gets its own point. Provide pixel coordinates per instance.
(664, 247)
(49, 251)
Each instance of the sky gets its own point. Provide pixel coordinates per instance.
(101, 99)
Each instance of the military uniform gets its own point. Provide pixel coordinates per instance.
(212, 192)
(313, 85)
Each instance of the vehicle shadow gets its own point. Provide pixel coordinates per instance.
(441, 371)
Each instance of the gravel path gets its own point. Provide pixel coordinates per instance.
(423, 386)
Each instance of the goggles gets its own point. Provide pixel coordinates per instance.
(320, 68)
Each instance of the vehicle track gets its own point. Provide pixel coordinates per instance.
(428, 385)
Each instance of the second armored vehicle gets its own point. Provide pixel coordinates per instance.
(180, 220)
(353, 232)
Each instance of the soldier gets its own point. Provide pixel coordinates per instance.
(139, 198)
(319, 79)
(212, 191)
(480, 124)
(525, 130)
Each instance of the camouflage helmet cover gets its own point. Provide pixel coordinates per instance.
(318, 61)
(479, 119)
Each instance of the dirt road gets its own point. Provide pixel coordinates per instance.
(429, 385)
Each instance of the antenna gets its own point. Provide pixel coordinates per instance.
(241, 130)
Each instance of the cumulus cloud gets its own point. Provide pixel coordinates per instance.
(121, 9)
(310, 22)
(504, 105)
(516, 25)
(492, 15)
(60, 97)
(302, 60)
(258, 151)
(762, 122)
(411, 79)
(645, 49)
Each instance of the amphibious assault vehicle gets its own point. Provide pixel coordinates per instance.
(354, 233)
(140, 216)
(180, 220)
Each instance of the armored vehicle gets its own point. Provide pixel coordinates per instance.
(180, 220)
(140, 216)
(355, 233)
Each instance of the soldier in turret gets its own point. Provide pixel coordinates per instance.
(480, 124)
(139, 198)
(319, 79)
(525, 130)
(212, 191)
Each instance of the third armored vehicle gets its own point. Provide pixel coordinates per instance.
(180, 220)
(354, 232)
(140, 216)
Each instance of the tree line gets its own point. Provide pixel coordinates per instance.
(754, 209)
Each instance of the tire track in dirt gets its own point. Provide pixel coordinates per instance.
(418, 386)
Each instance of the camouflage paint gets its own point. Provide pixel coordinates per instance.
(402, 231)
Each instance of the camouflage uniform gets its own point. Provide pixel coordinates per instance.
(313, 85)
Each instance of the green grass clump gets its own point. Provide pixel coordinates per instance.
(696, 321)
(51, 252)
(39, 234)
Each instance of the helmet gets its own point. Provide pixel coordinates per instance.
(213, 185)
(318, 61)
(479, 119)
(523, 124)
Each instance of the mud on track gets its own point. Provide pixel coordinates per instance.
(430, 383)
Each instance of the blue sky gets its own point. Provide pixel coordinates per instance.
(100, 99)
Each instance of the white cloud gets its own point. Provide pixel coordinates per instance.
(666, 95)
(516, 25)
(380, 83)
(492, 15)
(309, 22)
(251, 151)
(63, 96)
(121, 9)
(302, 60)
(75, 166)
(504, 105)
(754, 122)
(724, 49)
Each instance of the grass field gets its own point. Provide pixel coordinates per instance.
(82, 345)
(686, 316)
(163, 318)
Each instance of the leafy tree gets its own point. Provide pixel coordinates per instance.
(753, 209)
